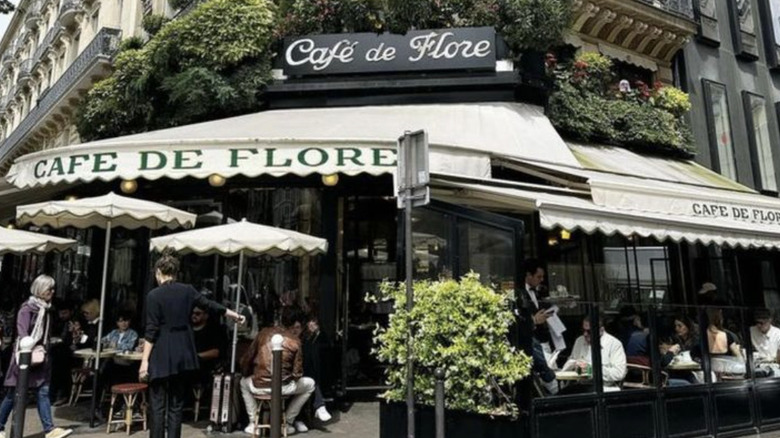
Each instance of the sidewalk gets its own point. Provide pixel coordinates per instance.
(360, 421)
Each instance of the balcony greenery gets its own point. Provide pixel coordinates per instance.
(215, 61)
(460, 327)
(590, 104)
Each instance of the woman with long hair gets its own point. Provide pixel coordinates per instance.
(33, 320)
(170, 358)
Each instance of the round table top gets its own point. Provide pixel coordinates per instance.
(90, 353)
(689, 366)
(130, 355)
(570, 375)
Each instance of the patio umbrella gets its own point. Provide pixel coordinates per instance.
(105, 211)
(19, 241)
(242, 239)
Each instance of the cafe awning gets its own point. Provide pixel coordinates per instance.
(615, 190)
(350, 140)
(576, 210)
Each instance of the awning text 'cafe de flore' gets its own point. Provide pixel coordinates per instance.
(615, 228)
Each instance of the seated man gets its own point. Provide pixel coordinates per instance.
(209, 340)
(766, 342)
(613, 357)
(256, 367)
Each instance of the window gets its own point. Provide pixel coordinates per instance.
(760, 142)
(743, 27)
(94, 20)
(769, 13)
(719, 129)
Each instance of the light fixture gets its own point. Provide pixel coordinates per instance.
(128, 186)
(565, 235)
(217, 180)
(330, 180)
(71, 198)
(552, 241)
(10, 226)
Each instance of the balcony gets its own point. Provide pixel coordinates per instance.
(93, 62)
(69, 10)
(683, 8)
(8, 59)
(45, 45)
(25, 72)
(646, 33)
(33, 18)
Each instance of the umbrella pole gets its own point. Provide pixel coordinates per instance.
(238, 301)
(95, 388)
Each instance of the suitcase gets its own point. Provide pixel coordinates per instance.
(225, 402)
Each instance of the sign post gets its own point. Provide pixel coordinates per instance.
(411, 184)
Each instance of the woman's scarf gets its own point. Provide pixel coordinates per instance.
(41, 307)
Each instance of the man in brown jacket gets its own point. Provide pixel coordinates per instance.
(257, 366)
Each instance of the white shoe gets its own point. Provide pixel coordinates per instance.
(250, 429)
(59, 432)
(322, 414)
(291, 429)
(300, 427)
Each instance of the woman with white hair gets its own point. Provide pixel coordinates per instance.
(34, 320)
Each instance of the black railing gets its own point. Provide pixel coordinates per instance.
(102, 47)
(679, 7)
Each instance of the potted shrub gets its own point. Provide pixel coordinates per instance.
(460, 327)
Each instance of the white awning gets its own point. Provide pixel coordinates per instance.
(349, 140)
(575, 211)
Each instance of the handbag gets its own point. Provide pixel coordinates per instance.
(38, 356)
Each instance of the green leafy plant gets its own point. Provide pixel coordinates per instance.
(587, 105)
(460, 327)
(211, 63)
(152, 23)
(301, 17)
(535, 24)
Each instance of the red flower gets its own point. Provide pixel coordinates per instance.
(581, 65)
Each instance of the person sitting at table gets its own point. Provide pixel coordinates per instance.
(685, 339)
(122, 338)
(210, 343)
(613, 356)
(256, 369)
(725, 350)
(635, 337)
(766, 343)
(91, 313)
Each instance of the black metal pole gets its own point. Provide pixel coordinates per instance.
(276, 387)
(409, 306)
(20, 400)
(439, 374)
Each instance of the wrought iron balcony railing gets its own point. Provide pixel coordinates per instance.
(46, 43)
(102, 48)
(25, 71)
(69, 9)
(683, 8)
(33, 18)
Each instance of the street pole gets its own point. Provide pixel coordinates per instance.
(20, 401)
(409, 306)
(276, 386)
(439, 374)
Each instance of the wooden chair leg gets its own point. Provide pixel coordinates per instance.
(258, 413)
(144, 407)
(198, 392)
(110, 413)
(129, 403)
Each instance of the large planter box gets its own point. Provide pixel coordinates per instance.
(458, 424)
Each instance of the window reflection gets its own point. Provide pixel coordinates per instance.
(489, 252)
(431, 231)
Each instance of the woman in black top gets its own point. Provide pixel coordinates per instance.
(170, 356)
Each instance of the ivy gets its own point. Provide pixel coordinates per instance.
(211, 63)
(460, 327)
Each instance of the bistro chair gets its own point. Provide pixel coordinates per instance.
(263, 401)
(130, 392)
(197, 394)
(79, 376)
(645, 377)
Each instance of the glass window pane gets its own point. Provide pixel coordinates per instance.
(763, 145)
(765, 338)
(679, 346)
(431, 232)
(488, 251)
(724, 145)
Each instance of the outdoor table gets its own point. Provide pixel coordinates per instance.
(130, 355)
(570, 376)
(684, 366)
(88, 354)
